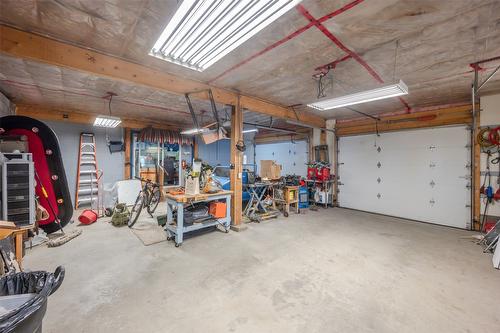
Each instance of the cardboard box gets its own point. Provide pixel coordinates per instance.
(214, 136)
(270, 169)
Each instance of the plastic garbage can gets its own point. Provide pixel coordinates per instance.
(23, 299)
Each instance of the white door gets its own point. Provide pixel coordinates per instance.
(422, 175)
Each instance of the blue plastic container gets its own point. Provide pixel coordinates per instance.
(303, 197)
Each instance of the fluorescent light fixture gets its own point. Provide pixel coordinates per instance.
(195, 131)
(362, 97)
(203, 31)
(250, 130)
(107, 121)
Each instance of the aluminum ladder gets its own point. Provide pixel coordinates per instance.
(87, 180)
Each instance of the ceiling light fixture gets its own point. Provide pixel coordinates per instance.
(361, 97)
(107, 121)
(203, 31)
(250, 130)
(195, 131)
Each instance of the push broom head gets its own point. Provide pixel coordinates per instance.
(66, 237)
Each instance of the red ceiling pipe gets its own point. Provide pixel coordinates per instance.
(344, 48)
(333, 64)
(339, 11)
(287, 38)
(267, 49)
(476, 65)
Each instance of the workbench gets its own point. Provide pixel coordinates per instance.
(10, 229)
(180, 201)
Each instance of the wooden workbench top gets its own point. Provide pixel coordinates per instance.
(197, 197)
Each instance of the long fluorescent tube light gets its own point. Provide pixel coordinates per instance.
(362, 97)
(203, 31)
(107, 121)
(250, 130)
(195, 131)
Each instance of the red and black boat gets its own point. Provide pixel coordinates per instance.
(44, 146)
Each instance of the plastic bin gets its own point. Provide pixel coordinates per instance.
(23, 299)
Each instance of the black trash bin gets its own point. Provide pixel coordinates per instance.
(23, 299)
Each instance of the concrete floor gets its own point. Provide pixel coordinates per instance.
(328, 271)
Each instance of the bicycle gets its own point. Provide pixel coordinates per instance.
(148, 197)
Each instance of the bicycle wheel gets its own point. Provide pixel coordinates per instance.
(136, 209)
(154, 200)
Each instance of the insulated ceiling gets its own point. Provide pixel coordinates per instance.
(428, 44)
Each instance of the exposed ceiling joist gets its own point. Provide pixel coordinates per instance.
(52, 114)
(31, 46)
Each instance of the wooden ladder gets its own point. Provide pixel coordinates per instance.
(87, 182)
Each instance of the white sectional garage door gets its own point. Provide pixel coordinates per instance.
(422, 175)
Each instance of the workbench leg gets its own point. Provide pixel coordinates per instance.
(19, 249)
(180, 225)
(170, 216)
(228, 212)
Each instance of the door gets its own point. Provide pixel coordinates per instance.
(422, 175)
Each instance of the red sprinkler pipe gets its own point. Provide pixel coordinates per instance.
(476, 65)
(287, 38)
(344, 48)
(333, 63)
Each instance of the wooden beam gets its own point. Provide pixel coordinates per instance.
(27, 45)
(439, 117)
(127, 141)
(237, 166)
(52, 114)
(196, 149)
(280, 138)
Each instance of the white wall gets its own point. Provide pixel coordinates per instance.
(219, 152)
(68, 134)
(293, 156)
(490, 116)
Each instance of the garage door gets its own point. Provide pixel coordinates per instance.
(421, 174)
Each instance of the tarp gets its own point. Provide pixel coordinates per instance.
(150, 134)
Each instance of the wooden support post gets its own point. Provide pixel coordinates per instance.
(236, 167)
(127, 143)
(311, 146)
(196, 148)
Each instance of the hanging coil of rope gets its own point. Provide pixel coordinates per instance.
(489, 137)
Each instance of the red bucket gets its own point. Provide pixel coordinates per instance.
(87, 217)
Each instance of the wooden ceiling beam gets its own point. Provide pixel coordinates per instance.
(27, 45)
(53, 114)
(438, 117)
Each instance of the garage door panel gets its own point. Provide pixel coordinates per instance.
(417, 174)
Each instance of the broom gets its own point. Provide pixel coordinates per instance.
(65, 237)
